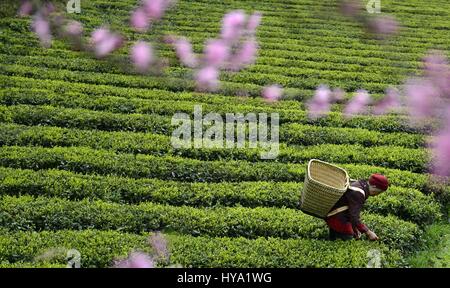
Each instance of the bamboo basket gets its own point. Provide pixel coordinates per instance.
(324, 186)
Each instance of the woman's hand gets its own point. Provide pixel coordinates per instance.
(372, 236)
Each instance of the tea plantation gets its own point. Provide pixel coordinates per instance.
(86, 160)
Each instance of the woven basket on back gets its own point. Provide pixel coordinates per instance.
(324, 185)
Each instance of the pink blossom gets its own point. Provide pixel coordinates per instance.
(183, 48)
(106, 47)
(438, 70)
(272, 93)
(351, 8)
(105, 42)
(207, 78)
(216, 53)
(319, 105)
(136, 260)
(253, 22)
(422, 97)
(441, 163)
(245, 56)
(232, 25)
(42, 29)
(358, 104)
(142, 56)
(139, 20)
(435, 62)
(384, 26)
(155, 8)
(99, 35)
(391, 101)
(25, 9)
(159, 244)
(74, 28)
(441, 149)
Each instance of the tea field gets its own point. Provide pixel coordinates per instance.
(86, 160)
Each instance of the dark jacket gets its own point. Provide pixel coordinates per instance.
(349, 221)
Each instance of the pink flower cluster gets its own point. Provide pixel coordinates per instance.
(240, 32)
(437, 70)
(358, 104)
(235, 49)
(26, 9)
(142, 56)
(428, 98)
(320, 104)
(104, 41)
(207, 78)
(159, 244)
(390, 102)
(351, 8)
(149, 11)
(143, 260)
(74, 28)
(41, 24)
(185, 52)
(426, 94)
(382, 26)
(136, 260)
(272, 93)
(441, 150)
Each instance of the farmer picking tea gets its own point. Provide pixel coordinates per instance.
(344, 220)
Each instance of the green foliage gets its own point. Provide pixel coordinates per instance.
(100, 248)
(435, 248)
(41, 213)
(116, 169)
(406, 203)
(389, 156)
(49, 249)
(275, 253)
(86, 160)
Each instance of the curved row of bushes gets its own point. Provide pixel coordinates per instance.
(42, 213)
(175, 83)
(15, 83)
(86, 160)
(406, 203)
(166, 106)
(101, 248)
(262, 76)
(263, 65)
(334, 119)
(308, 135)
(87, 119)
(396, 157)
(275, 47)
